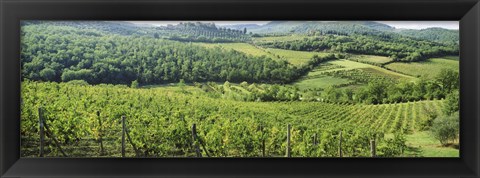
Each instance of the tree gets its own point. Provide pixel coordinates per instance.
(245, 30)
(47, 74)
(446, 128)
(449, 79)
(452, 103)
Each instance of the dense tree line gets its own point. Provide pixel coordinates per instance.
(62, 53)
(202, 32)
(398, 48)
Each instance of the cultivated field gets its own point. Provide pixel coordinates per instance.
(428, 68)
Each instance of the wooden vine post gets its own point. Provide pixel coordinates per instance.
(288, 140)
(263, 141)
(123, 136)
(340, 145)
(100, 130)
(195, 141)
(315, 142)
(42, 131)
(373, 148)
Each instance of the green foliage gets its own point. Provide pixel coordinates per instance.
(393, 146)
(449, 80)
(452, 103)
(134, 84)
(446, 129)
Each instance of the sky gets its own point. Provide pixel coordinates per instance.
(396, 24)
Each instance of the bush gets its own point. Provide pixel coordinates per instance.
(427, 122)
(446, 128)
(134, 84)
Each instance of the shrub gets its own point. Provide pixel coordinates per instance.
(427, 122)
(134, 84)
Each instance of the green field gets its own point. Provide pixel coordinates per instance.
(320, 82)
(240, 47)
(422, 144)
(452, 57)
(427, 69)
(295, 57)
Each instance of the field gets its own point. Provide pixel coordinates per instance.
(167, 113)
(240, 47)
(427, 69)
(320, 82)
(337, 72)
(422, 144)
(295, 57)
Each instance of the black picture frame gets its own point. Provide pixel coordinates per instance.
(466, 11)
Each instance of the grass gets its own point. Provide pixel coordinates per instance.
(371, 59)
(428, 68)
(452, 57)
(320, 82)
(424, 145)
(240, 47)
(295, 57)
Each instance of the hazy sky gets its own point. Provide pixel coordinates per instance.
(396, 24)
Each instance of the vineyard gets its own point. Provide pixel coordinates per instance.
(87, 121)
